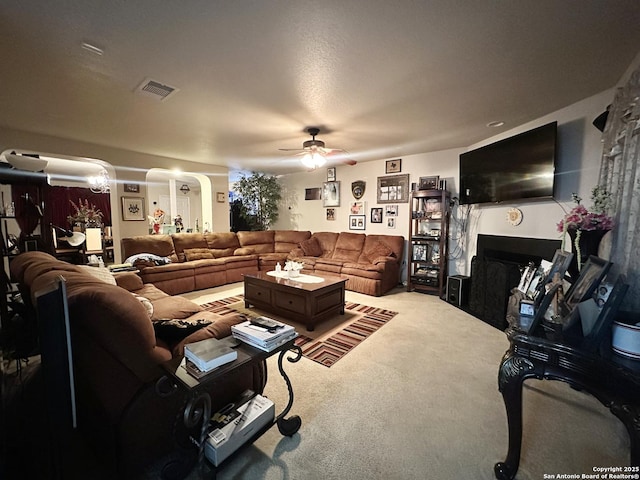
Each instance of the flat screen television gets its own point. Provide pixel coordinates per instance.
(521, 167)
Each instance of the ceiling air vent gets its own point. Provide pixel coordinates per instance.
(155, 89)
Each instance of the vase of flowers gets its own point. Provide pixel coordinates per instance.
(293, 268)
(85, 215)
(586, 227)
(156, 220)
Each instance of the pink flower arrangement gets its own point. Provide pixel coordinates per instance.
(580, 218)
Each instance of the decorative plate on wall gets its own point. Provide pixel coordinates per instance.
(514, 216)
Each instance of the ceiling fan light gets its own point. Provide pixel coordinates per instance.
(313, 160)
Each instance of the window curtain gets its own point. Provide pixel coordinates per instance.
(59, 198)
(619, 173)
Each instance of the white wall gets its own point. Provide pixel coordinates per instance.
(579, 152)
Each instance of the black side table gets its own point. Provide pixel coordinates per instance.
(197, 410)
(614, 380)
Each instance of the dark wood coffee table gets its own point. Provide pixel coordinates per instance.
(307, 303)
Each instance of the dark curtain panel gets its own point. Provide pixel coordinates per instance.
(59, 198)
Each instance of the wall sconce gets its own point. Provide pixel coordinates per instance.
(185, 188)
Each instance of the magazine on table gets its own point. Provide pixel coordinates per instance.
(263, 333)
(210, 353)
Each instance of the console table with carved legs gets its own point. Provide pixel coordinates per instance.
(612, 379)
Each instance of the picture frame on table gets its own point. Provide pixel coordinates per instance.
(376, 215)
(393, 189)
(592, 273)
(133, 209)
(331, 194)
(393, 166)
(357, 222)
(429, 183)
(559, 265)
(602, 325)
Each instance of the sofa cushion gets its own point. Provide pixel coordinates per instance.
(222, 244)
(286, 240)
(197, 253)
(327, 241)
(377, 249)
(311, 247)
(160, 245)
(174, 307)
(101, 273)
(348, 246)
(129, 281)
(184, 241)
(244, 251)
(261, 241)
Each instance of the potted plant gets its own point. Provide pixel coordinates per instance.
(259, 194)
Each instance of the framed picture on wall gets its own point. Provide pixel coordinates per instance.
(393, 166)
(220, 197)
(331, 194)
(132, 208)
(357, 222)
(132, 187)
(393, 189)
(331, 174)
(376, 215)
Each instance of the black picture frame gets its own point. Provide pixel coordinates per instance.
(131, 187)
(393, 166)
(357, 222)
(376, 215)
(559, 264)
(603, 323)
(592, 273)
(429, 183)
(542, 309)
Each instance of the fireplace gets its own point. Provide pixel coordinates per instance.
(496, 269)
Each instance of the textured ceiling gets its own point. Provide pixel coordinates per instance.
(380, 78)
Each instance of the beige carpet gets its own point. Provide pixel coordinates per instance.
(419, 400)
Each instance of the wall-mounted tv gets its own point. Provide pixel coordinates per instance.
(516, 168)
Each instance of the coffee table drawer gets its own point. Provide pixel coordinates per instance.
(291, 302)
(257, 293)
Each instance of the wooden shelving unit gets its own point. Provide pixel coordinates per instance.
(428, 241)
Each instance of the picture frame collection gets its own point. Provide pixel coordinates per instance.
(392, 189)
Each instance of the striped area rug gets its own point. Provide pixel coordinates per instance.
(326, 348)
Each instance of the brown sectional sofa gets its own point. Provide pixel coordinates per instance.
(370, 263)
(117, 357)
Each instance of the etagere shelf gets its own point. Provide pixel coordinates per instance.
(428, 241)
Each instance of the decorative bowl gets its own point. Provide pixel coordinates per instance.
(625, 339)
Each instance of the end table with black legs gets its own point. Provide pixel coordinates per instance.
(197, 410)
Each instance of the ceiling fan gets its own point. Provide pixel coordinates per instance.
(314, 153)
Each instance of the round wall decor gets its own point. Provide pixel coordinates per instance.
(514, 216)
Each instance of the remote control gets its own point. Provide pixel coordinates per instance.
(267, 323)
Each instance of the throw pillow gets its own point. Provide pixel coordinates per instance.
(101, 273)
(311, 247)
(197, 253)
(173, 330)
(378, 249)
(146, 303)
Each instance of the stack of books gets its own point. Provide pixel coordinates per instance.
(263, 333)
(208, 354)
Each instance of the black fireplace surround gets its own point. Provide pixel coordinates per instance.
(496, 269)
